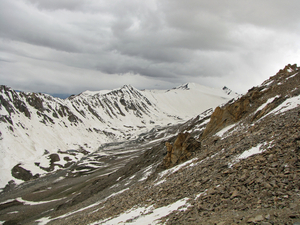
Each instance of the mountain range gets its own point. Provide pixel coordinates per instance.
(161, 157)
(33, 125)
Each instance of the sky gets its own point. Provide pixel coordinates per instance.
(69, 46)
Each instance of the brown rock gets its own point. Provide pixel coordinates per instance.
(221, 223)
(234, 194)
(265, 223)
(256, 219)
(229, 114)
(181, 150)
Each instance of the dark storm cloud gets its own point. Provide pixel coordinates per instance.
(166, 42)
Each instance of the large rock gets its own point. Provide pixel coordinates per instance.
(181, 150)
(229, 114)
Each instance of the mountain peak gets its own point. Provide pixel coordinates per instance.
(227, 90)
(282, 76)
(186, 86)
(291, 68)
(127, 86)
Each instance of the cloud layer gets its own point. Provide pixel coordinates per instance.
(68, 46)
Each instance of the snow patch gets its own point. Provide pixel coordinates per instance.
(147, 173)
(224, 130)
(25, 202)
(265, 104)
(7, 201)
(45, 220)
(291, 76)
(253, 151)
(58, 179)
(176, 168)
(114, 194)
(146, 215)
(288, 104)
(14, 212)
(160, 182)
(200, 194)
(267, 83)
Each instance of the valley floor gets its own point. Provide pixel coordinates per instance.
(216, 186)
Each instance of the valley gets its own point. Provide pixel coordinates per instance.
(235, 163)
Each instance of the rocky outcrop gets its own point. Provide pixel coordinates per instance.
(22, 174)
(35, 101)
(284, 83)
(182, 149)
(10, 100)
(231, 113)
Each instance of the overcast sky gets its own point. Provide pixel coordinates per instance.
(68, 46)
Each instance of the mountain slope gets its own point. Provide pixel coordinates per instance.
(185, 100)
(238, 164)
(41, 134)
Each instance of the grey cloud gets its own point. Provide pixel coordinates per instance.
(167, 40)
(23, 24)
(59, 4)
(274, 13)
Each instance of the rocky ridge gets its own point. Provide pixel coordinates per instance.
(238, 164)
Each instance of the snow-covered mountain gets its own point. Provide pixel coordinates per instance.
(236, 164)
(188, 100)
(35, 126)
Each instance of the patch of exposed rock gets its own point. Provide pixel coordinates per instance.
(182, 149)
(22, 174)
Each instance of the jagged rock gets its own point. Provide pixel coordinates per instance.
(181, 150)
(230, 113)
(34, 100)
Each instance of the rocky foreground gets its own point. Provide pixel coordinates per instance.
(237, 165)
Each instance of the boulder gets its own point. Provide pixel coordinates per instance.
(181, 150)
